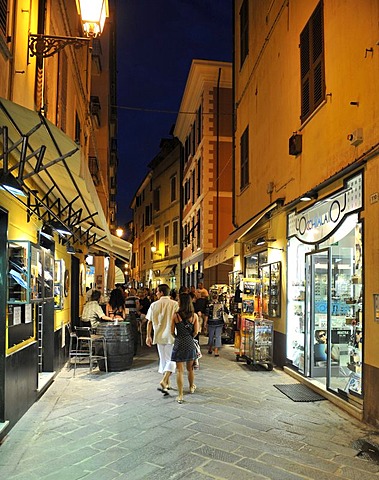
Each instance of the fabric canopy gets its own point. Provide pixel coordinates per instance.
(45, 159)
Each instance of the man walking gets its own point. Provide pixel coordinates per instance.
(159, 318)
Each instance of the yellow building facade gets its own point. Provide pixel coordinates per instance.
(306, 182)
(56, 127)
(156, 218)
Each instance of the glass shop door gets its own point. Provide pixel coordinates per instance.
(317, 314)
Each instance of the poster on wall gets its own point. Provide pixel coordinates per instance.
(28, 313)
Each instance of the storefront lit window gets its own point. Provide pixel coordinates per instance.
(253, 262)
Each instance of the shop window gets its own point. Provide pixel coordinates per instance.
(244, 159)
(312, 63)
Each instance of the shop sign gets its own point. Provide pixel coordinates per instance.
(322, 219)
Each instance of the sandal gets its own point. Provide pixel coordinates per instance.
(193, 389)
(179, 400)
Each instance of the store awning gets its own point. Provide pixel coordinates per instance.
(112, 245)
(52, 169)
(169, 270)
(226, 250)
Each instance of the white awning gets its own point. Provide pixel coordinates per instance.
(226, 250)
(61, 174)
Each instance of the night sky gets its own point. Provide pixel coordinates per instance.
(157, 40)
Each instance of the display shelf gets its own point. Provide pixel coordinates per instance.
(271, 289)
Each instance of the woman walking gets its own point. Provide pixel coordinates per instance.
(184, 326)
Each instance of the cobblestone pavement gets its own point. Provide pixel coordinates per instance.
(236, 426)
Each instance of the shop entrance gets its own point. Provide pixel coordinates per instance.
(317, 313)
(330, 340)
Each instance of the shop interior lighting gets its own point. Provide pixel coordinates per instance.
(10, 184)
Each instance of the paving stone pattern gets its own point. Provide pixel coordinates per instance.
(236, 426)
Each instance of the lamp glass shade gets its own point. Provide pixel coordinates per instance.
(153, 248)
(10, 184)
(119, 232)
(93, 14)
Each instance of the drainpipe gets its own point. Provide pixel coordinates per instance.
(234, 113)
(218, 165)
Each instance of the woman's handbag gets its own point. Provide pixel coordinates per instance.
(198, 350)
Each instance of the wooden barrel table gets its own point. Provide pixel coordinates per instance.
(120, 345)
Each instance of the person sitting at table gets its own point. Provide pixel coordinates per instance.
(92, 313)
(116, 306)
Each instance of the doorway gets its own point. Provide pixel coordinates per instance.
(331, 315)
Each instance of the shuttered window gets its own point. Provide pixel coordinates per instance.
(245, 158)
(3, 17)
(244, 31)
(312, 63)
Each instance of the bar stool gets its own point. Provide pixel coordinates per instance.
(87, 345)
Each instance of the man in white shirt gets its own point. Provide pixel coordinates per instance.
(159, 318)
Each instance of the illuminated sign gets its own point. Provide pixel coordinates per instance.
(324, 217)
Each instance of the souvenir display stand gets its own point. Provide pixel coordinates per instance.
(254, 338)
(256, 341)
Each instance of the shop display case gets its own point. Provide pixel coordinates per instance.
(24, 272)
(271, 289)
(256, 341)
(59, 284)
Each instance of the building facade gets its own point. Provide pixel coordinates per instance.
(204, 127)
(306, 188)
(157, 209)
(56, 151)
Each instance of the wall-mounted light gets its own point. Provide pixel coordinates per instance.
(263, 241)
(60, 227)
(260, 241)
(9, 183)
(153, 248)
(307, 197)
(47, 231)
(70, 248)
(93, 14)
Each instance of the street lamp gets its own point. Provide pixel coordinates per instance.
(119, 232)
(93, 14)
